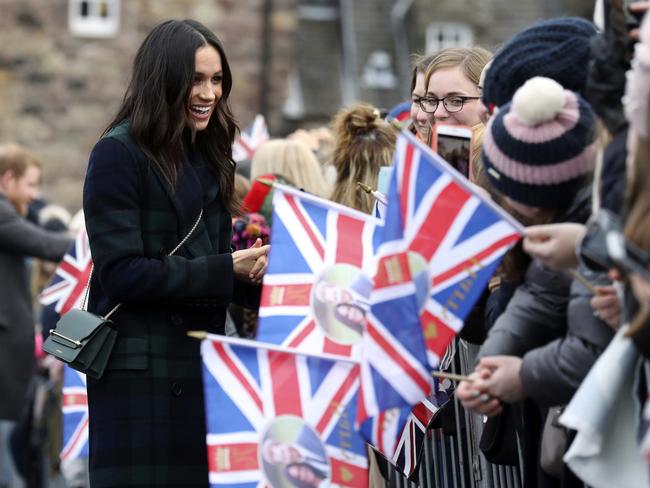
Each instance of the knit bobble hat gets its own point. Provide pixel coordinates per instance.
(559, 49)
(538, 148)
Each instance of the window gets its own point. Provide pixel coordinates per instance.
(378, 71)
(440, 35)
(94, 18)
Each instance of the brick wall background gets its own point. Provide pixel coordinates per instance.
(58, 91)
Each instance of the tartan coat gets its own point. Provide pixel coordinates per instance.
(147, 425)
(19, 239)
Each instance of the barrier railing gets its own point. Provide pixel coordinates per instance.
(455, 460)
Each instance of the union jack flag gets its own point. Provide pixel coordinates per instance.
(75, 415)
(276, 417)
(316, 287)
(68, 285)
(250, 139)
(399, 433)
(409, 446)
(441, 243)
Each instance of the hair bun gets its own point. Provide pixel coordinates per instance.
(361, 119)
(538, 100)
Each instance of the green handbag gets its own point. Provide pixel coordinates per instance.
(83, 340)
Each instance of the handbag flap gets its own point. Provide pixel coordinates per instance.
(76, 327)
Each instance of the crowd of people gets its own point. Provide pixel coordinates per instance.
(179, 236)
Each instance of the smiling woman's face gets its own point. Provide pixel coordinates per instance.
(452, 81)
(206, 87)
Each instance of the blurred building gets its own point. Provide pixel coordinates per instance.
(64, 64)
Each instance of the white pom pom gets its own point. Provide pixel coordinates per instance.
(538, 100)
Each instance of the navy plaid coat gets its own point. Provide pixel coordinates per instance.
(147, 424)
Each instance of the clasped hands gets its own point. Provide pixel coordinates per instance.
(494, 380)
(250, 264)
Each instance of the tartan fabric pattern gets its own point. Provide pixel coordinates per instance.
(146, 413)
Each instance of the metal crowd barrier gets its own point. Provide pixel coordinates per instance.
(455, 461)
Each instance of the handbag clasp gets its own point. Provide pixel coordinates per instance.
(76, 343)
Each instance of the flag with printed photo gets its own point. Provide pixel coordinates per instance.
(75, 415)
(68, 285)
(280, 418)
(449, 236)
(441, 242)
(250, 139)
(318, 282)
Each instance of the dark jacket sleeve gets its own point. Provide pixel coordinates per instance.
(535, 315)
(19, 236)
(473, 330)
(112, 205)
(551, 374)
(498, 300)
(246, 294)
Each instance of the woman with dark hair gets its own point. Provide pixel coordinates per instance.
(158, 198)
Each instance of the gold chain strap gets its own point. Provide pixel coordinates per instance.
(116, 307)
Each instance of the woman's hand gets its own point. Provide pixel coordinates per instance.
(606, 306)
(554, 244)
(476, 399)
(504, 381)
(250, 264)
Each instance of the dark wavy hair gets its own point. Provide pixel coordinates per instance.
(156, 99)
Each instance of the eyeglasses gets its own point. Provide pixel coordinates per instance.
(452, 103)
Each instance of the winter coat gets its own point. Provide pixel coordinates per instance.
(19, 239)
(551, 374)
(550, 324)
(536, 313)
(147, 420)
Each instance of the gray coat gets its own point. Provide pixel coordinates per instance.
(551, 374)
(19, 239)
(550, 324)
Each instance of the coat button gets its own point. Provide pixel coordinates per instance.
(176, 388)
(177, 320)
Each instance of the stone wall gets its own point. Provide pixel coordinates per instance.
(58, 91)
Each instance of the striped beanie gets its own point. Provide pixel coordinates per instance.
(538, 148)
(556, 48)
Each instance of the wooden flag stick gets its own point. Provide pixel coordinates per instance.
(451, 376)
(583, 281)
(374, 193)
(198, 334)
(364, 187)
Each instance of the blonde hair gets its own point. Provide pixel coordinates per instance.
(293, 161)
(364, 143)
(470, 60)
(637, 225)
(17, 159)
